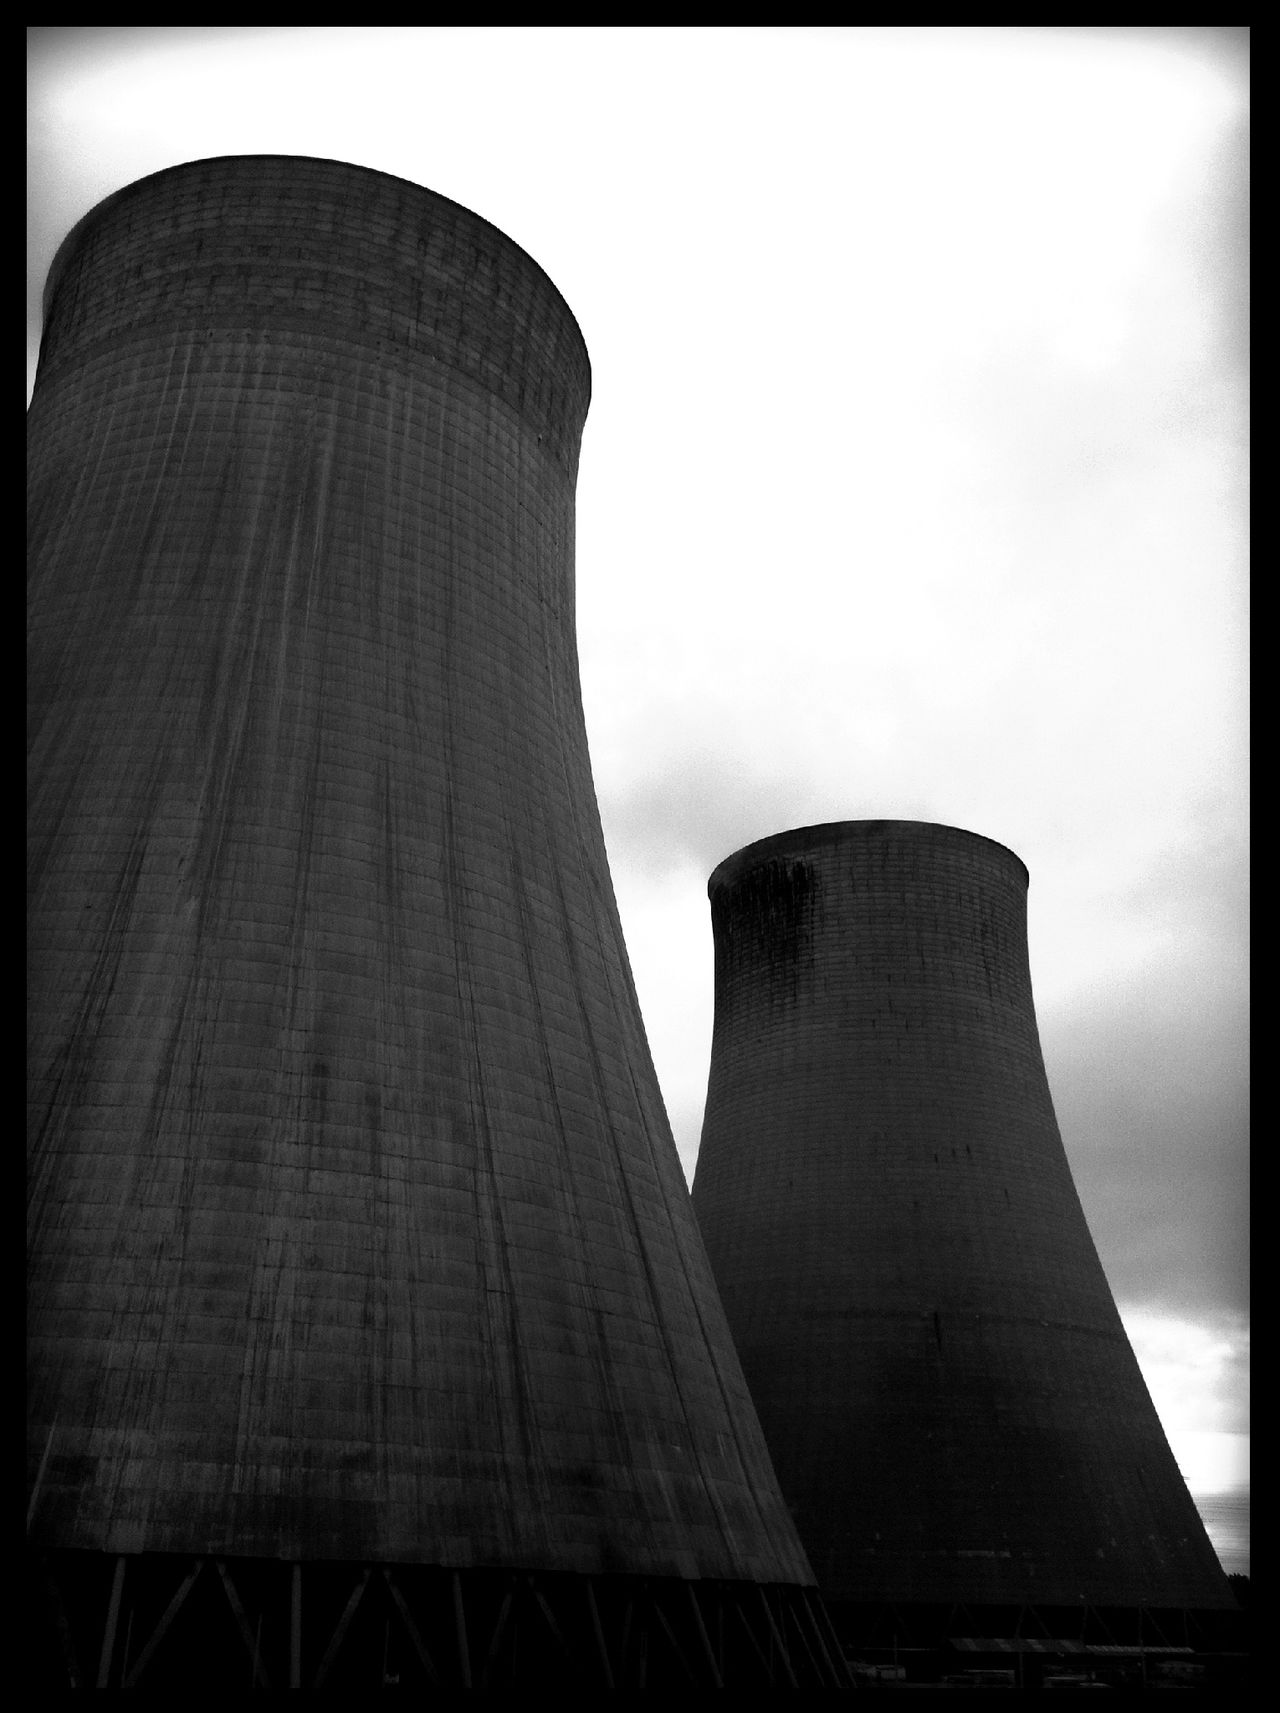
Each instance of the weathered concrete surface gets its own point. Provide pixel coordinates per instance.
(953, 1408)
(358, 1230)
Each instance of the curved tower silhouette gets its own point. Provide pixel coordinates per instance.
(373, 1338)
(952, 1404)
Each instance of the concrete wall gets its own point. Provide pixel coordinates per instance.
(358, 1227)
(951, 1402)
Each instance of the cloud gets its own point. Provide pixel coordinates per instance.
(1197, 1370)
(1149, 1073)
(699, 805)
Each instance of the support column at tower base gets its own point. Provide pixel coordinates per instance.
(160, 1621)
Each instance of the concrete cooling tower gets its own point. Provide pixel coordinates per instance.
(952, 1405)
(373, 1339)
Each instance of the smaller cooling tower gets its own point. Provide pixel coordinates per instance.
(951, 1402)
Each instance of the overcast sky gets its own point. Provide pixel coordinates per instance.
(913, 488)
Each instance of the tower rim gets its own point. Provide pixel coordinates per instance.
(824, 835)
(87, 220)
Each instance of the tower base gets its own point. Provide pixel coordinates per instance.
(159, 1621)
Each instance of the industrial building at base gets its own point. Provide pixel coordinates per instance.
(952, 1405)
(372, 1334)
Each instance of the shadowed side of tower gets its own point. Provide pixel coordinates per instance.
(358, 1235)
(952, 1405)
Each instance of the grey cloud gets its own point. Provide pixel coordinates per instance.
(1154, 1116)
(697, 808)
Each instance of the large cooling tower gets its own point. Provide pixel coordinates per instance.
(952, 1405)
(373, 1338)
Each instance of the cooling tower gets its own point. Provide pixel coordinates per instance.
(952, 1405)
(373, 1339)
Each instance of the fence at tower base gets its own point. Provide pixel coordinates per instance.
(1028, 1647)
